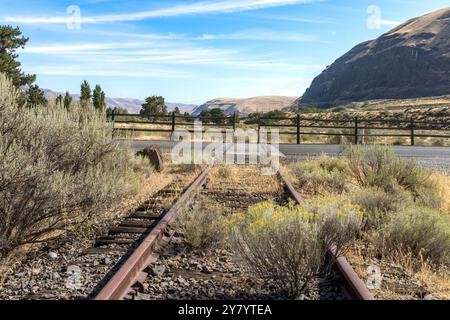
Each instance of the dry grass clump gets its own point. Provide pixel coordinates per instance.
(442, 184)
(57, 167)
(224, 171)
(203, 225)
(247, 178)
(323, 175)
(289, 244)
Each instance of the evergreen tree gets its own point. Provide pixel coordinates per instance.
(217, 114)
(10, 41)
(85, 92)
(35, 96)
(205, 115)
(154, 105)
(188, 117)
(177, 111)
(59, 100)
(67, 100)
(103, 100)
(98, 98)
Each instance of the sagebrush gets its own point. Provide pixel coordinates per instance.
(57, 166)
(420, 231)
(289, 244)
(323, 175)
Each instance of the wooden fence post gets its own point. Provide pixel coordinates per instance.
(113, 116)
(412, 132)
(298, 129)
(356, 131)
(259, 130)
(173, 122)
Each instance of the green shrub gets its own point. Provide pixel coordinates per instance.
(203, 225)
(379, 167)
(421, 231)
(56, 167)
(326, 174)
(378, 205)
(289, 244)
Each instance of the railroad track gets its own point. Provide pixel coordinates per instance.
(355, 287)
(148, 223)
(130, 278)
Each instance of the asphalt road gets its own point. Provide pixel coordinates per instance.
(435, 157)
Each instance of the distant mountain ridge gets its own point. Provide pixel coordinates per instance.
(410, 61)
(246, 106)
(132, 105)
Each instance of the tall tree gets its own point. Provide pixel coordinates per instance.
(11, 39)
(67, 100)
(35, 96)
(218, 115)
(188, 117)
(205, 115)
(154, 105)
(59, 100)
(85, 92)
(215, 115)
(98, 98)
(177, 111)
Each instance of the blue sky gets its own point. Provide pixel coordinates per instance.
(193, 51)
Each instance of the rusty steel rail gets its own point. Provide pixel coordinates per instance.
(119, 285)
(356, 288)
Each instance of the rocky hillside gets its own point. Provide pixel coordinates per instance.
(132, 105)
(410, 61)
(247, 106)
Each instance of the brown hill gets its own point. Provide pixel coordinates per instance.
(410, 61)
(247, 106)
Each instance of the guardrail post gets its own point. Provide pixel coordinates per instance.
(412, 132)
(298, 129)
(234, 121)
(356, 131)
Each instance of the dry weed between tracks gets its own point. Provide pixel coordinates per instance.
(406, 216)
(246, 178)
(203, 225)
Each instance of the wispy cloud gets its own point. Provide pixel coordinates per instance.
(162, 53)
(80, 48)
(150, 36)
(285, 18)
(108, 70)
(261, 35)
(202, 7)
